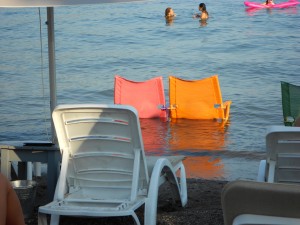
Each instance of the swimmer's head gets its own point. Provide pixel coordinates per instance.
(202, 7)
(269, 2)
(169, 12)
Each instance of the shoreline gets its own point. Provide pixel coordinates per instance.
(203, 207)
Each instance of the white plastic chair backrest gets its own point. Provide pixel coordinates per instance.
(105, 157)
(282, 139)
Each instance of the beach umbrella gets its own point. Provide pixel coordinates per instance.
(50, 4)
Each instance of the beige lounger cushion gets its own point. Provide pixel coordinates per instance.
(260, 198)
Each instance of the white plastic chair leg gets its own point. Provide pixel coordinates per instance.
(42, 219)
(37, 169)
(29, 170)
(54, 220)
(136, 219)
(183, 187)
(151, 201)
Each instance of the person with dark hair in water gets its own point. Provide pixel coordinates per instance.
(269, 2)
(204, 14)
(10, 208)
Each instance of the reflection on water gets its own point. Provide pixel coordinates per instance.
(196, 134)
(155, 133)
(198, 140)
(289, 10)
(206, 167)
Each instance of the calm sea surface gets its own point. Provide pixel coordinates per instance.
(251, 51)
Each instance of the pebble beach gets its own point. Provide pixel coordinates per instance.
(203, 207)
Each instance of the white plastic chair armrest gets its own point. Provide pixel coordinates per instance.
(261, 171)
(161, 165)
(271, 172)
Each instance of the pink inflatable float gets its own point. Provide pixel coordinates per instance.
(278, 5)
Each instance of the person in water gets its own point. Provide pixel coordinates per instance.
(10, 207)
(169, 15)
(269, 2)
(204, 14)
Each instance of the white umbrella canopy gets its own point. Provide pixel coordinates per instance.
(54, 3)
(50, 4)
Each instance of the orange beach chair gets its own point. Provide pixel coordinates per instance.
(197, 99)
(147, 97)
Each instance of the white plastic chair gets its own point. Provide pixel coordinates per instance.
(282, 163)
(260, 203)
(104, 171)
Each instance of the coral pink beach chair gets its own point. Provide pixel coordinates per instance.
(146, 96)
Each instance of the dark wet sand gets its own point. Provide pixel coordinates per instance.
(203, 208)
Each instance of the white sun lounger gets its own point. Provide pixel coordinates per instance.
(104, 171)
(282, 163)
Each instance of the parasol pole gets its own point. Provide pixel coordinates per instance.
(52, 68)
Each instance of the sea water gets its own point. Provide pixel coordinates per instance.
(251, 51)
